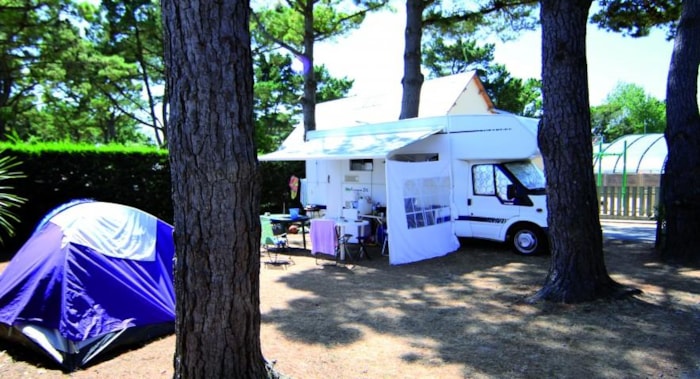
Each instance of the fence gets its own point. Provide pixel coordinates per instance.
(632, 203)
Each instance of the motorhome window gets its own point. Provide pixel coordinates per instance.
(489, 180)
(529, 175)
(483, 180)
(426, 201)
(361, 165)
(502, 183)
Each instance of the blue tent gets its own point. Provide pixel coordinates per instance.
(93, 276)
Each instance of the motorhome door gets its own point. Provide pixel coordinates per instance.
(488, 205)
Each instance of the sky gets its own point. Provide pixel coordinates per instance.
(373, 56)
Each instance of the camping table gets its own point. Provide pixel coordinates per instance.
(287, 220)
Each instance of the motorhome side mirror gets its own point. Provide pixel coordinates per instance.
(511, 192)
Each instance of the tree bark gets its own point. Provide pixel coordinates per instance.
(681, 182)
(215, 189)
(577, 272)
(308, 102)
(412, 77)
(6, 83)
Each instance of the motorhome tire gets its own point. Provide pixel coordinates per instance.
(527, 240)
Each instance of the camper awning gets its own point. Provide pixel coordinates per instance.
(348, 143)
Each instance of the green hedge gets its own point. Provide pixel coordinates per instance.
(134, 176)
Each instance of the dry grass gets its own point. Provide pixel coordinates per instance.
(459, 316)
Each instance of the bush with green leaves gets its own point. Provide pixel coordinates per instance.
(8, 200)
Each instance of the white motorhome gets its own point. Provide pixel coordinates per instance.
(439, 178)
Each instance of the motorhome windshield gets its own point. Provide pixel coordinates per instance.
(527, 173)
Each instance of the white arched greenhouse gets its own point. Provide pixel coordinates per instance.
(628, 172)
(641, 157)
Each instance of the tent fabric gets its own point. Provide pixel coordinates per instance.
(88, 274)
(111, 229)
(347, 143)
(418, 216)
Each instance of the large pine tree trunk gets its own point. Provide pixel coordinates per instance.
(308, 102)
(681, 183)
(215, 189)
(577, 272)
(412, 77)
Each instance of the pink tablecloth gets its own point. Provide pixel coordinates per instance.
(323, 239)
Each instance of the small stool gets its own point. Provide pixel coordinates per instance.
(342, 252)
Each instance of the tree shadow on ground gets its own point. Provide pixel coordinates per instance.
(468, 308)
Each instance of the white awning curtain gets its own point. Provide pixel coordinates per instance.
(346, 143)
(418, 211)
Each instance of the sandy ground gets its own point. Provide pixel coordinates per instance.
(458, 316)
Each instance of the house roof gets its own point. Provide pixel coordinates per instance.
(438, 98)
(455, 94)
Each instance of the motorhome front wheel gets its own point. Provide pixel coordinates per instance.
(527, 240)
